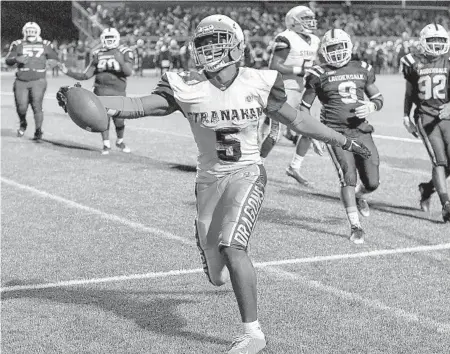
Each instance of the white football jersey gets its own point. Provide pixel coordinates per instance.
(224, 121)
(301, 53)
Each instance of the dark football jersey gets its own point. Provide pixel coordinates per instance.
(108, 72)
(38, 53)
(339, 90)
(429, 78)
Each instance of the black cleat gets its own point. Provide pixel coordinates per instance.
(425, 196)
(38, 135)
(446, 212)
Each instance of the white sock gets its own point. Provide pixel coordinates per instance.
(253, 328)
(263, 159)
(106, 143)
(119, 140)
(352, 216)
(296, 162)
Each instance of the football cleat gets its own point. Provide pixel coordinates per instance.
(446, 212)
(123, 147)
(425, 196)
(106, 150)
(20, 132)
(363, 207)
(247, 344)
(357, 234)
(38, 135)
(297, 176)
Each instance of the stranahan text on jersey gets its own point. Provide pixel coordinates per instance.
(236, 116)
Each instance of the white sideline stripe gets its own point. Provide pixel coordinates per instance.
(385, 137)
(112, 217)
(268, 264)
(424, 321)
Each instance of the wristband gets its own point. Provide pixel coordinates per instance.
(297, 70)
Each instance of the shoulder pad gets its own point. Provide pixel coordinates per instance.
(124, 49)
(316, 70)
(366, 65)
(96, 51)
(281, 42)
(46, 42)
(190, 77)
(408, 60)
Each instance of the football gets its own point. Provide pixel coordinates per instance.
(86, 110)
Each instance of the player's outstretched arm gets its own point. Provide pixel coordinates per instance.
(127, 107)
(85, 75)
(303, 123)
(277, 60)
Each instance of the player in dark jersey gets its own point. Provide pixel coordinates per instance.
(341, 85)
(427, 76)
(111, 65)
(30, 54)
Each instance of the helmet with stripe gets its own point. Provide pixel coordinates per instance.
(31, 31)
(434, 40)
(110, 38)
(336, 47)
(301, 19)
(218, 42)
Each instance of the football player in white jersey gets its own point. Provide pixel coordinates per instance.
(295, 50)
(223, 104)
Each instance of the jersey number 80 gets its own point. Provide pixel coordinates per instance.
(108, 64)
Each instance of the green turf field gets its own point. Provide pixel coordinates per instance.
(99, 255)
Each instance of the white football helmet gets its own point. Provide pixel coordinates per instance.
(434, 40)
(31, 32)
(301, 19)
(217, 43)
(110, 38)
(336, 47)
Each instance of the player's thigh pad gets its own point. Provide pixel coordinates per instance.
(369, 169)
(208, 233)
(21, 96)
(431, 133)
(37, 92)
(344, 162)
(240, 206)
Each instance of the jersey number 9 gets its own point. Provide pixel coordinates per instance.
(108, 64)
(347, 90)
(228, 149)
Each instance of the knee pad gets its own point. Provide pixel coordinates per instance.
(349, 180)
(21, 109)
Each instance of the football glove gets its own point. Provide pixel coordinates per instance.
(410, 126)
(61, 96)
(365, 109)
(318, 147)
(444, 111)
(357, 147)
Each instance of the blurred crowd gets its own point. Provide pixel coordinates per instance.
(159, 34)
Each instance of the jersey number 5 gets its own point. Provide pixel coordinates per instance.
(432, 87)
(108, 64)
(228, 149)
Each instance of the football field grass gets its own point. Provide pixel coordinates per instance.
(98, 253)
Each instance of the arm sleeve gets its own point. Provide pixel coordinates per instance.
(128, 61)
(87, 73)
(11, 56)
(370, 75)
(408, 67)
(277, 96)
(280, 49)
(310, 93)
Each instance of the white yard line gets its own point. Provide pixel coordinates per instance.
(269, 265)
(112, 217)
